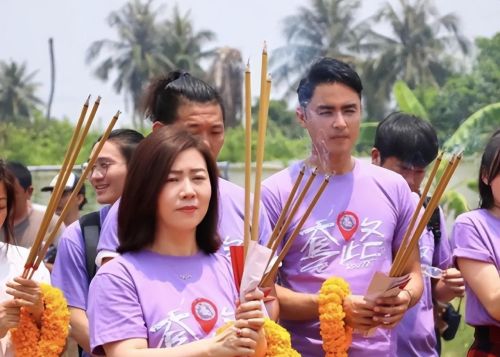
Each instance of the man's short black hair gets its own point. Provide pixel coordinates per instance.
(408, 138)
(327, 70)
(21, 172)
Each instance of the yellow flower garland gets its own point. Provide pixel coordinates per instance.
(277, 338)
(50, 339)
(336, 335)
(278, 341)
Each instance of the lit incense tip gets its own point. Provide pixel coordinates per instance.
(87, 101)
(264, 50)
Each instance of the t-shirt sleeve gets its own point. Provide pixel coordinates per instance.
(271, 203)
(265, 230)
(114, 311)
(467, 243)
(407, 205)
(70, 268)
(108, 238)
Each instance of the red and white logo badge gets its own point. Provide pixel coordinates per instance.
(348, 223)
(205, 312)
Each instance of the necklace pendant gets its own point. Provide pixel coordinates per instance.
(185, 276)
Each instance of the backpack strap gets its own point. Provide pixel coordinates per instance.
(434, 223)
(91, 227)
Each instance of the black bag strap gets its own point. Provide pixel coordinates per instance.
(91, 227)
(434, 223)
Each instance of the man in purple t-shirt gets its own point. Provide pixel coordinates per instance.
(377, 202)
(181, 99)
(407, 144)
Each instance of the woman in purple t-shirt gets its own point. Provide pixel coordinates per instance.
(476, 248)
(170, 290)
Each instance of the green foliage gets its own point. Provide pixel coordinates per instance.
(407, 101)
(277, 145)
(454, 203)
(366, 137)
(282, 118)
(43, 142)
(473, 133)
(17, 92)
(464, 94)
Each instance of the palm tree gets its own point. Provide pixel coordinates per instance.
(146, 47)
(17, 92)
(182, 45)
(226, 74)
(325, 28)
(418, 50)
(136, 55)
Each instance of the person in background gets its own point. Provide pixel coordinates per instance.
(181, 100)
(74, 267)
(331, 243)
(74, 208)
(407, 145)
(15, 292)
(26, 219)
(476, 249)
(76, 205)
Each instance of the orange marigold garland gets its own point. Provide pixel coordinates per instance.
(50, 339)
(336, 335)
(277, 338)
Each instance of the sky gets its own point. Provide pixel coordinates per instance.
(26, 26)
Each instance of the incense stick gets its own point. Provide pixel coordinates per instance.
(284, 211)
(268, 278)
(399, 269)
(397, 259)
(57, 192)
(263, 113)
(248, 157)
(74, 193)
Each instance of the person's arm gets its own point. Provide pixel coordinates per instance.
(289, 301)
(450, 286)
(239, 340)
(484, 280)
(226, 344)
(390, 310)
(80, 328)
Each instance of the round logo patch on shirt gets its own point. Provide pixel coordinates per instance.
(348, 223)
(205, 312)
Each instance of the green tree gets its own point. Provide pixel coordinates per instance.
(464, 94)
(182, 45)
(417, 52)
(135, 56)
(17, 92)
(226, 74)
(324, 28)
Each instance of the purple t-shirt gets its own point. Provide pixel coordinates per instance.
(415, 332)
(70, 268)
(160, 298)
(231, 215)
(476, 236)
(380, 200)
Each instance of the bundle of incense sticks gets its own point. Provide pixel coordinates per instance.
(281, 228)
(239, 253)
(412, 235)
(42, 241)
(265, 93)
